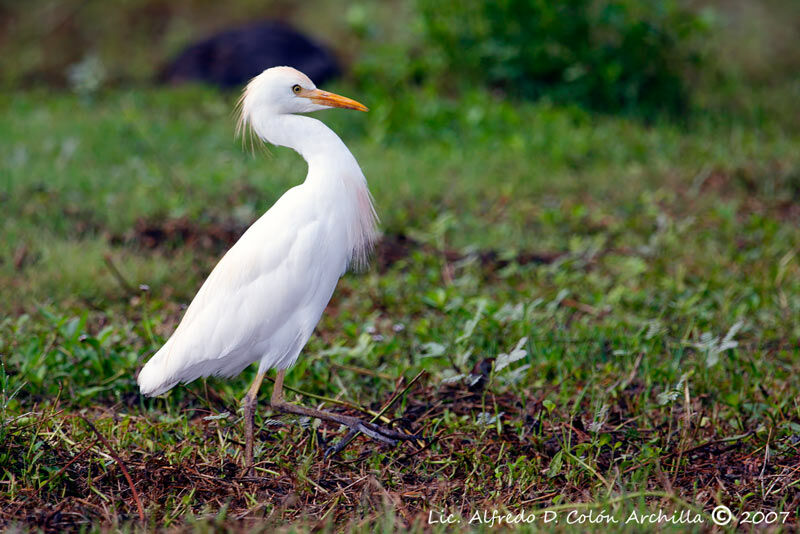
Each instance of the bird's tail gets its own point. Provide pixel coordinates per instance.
(155, 377)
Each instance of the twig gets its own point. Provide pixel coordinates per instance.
(625, 382)
(766, 456)
(36, 422)
(121, 466)
(127, 286)
(589, 468)
(581, 307)
(361, 370)
(395, 397)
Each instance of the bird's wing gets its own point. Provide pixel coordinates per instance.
(262, 299)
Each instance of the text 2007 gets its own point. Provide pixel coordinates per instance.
(768, 518)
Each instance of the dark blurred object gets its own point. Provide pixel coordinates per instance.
(482, 370)
(231, 58)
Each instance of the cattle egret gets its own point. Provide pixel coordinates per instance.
(265, 296)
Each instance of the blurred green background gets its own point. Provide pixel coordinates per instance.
(609, 54)
(490, 122)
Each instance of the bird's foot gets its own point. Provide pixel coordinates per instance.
(355, 425)
(378, 433)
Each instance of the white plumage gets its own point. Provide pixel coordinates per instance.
(264, 298)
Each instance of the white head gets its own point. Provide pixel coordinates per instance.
(285, 90)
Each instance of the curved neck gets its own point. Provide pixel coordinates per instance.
(332, 170)
(318, 144)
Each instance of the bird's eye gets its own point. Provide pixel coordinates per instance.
(296, 88)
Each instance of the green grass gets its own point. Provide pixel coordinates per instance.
(664, 239)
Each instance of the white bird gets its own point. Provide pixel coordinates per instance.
(265, 296)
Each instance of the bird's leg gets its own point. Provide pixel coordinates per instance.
(249, 407)
(355, 424)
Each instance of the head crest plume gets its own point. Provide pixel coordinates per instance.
(244, 126)
(245, 104)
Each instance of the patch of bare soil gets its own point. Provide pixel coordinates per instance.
(215, 237)
(457, 470)
(774, 191)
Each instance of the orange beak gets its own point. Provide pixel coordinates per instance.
(324, 98)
